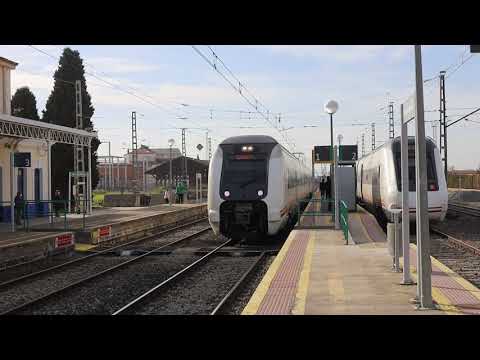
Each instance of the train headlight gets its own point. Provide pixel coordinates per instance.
(260, 192)
(226, 193)
(250, 148)
(244, 148)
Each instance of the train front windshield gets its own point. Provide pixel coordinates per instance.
(432, 180)
(242, 172)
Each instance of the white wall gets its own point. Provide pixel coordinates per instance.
(39, 160)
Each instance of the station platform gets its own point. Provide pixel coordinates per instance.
(83, 234)
(316, 273)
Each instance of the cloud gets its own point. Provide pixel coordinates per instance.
(119, 65)
(341, 53)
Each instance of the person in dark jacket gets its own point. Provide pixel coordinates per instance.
(18, 208)
(328, 192)
(56, 204)
(322, 188)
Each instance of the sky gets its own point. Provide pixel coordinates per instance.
(293, 81)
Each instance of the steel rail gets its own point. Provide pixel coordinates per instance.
(98, 274)
(221, 305)
(168, 281)
(456, 242)
(464, 209)
(82, 259)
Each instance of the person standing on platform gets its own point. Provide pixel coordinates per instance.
(322, 188)
(181, 189)
(56, 203)
(18, 208)
(165, 196)
(328, 192)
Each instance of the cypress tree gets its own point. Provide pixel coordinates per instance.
(60, 110)
(24, 104)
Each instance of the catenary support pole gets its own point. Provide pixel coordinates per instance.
(89, 185)
(423, 235)
(405, 201)
(12, 191)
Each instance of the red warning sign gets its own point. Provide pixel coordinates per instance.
(64, 240)
(105, 231)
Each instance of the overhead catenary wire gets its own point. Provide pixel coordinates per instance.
(241, 89)
(114, 86)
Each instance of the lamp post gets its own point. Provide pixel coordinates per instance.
(171, 142)
(331, 107)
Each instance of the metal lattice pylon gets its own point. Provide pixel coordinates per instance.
(373, 136)
(443, 123)
(391, 124)
(79, 179)
(134, 149)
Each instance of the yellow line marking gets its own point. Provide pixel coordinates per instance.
(262, 288)
(84, 247)
(302, 288)
(442, 301)
(460, 280)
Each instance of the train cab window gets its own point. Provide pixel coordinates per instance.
(245, 171)
(432, 182)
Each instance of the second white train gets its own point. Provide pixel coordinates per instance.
(379, 182)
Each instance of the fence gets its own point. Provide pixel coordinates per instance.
(344, 219)
(315, 213)
(464, 181)
(35, 212)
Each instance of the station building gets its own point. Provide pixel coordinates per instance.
(29, 136)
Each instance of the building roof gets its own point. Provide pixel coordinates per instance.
(11, 64)
(166, 151)
(33, 129)
(178, 159)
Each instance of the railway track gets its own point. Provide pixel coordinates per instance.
(458, 255)
(29, 306)
(464, 209)
(15, 280)
(166, 297)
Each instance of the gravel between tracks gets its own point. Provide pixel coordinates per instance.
(108, 293)
(463, 262)
(33, 288)
(461, 226)
(199, 292)
(41, 264)
(244, 295)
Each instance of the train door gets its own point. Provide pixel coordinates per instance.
(376, 197)
(38, 189)
(22, 182)
(361, 182)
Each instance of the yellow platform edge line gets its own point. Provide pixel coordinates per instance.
(254, 303)
(443, 302)
(302, 288)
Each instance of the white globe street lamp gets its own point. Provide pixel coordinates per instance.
(331, 107)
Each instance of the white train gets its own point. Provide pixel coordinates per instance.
(379, 183)
(254, 186)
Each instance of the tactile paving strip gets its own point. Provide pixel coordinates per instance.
(280, 297)
(460, 297)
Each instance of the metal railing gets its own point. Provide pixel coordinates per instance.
(28, 210)
(344, 219)
(313, 212)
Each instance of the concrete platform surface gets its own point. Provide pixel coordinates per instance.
(355, 280)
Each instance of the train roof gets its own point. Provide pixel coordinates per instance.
(250, 139)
